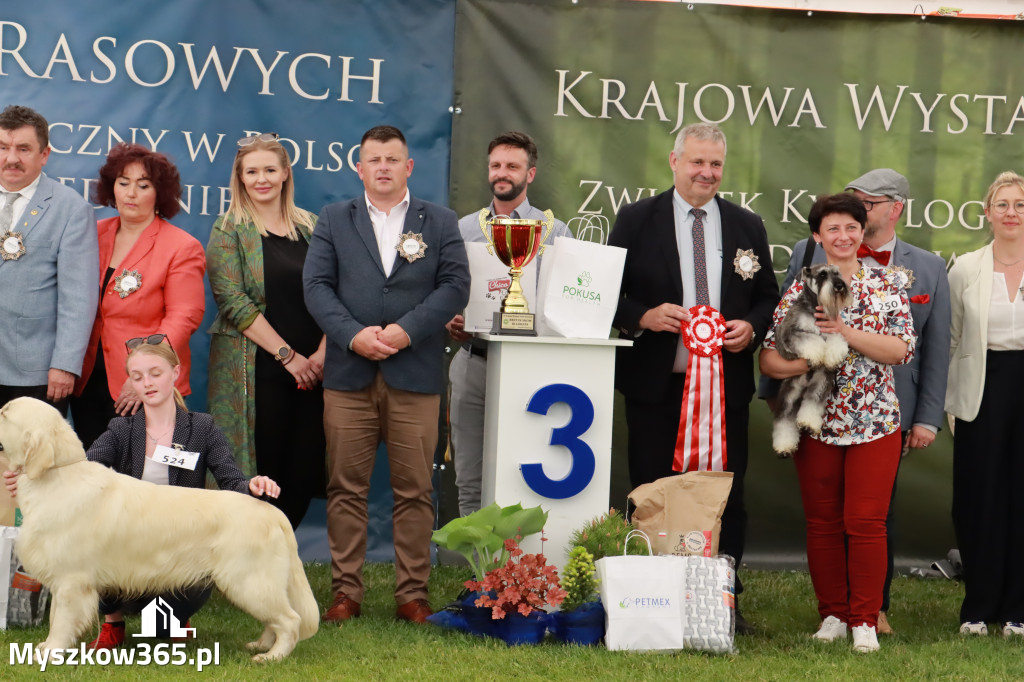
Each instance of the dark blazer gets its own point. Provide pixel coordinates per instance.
(346, 290)
(921, 383)
(122, 447)
(652, 277)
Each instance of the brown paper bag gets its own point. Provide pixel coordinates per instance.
(683, 514)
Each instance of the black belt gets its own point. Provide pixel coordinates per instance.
(479, 351)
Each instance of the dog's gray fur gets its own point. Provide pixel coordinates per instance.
(802, 398)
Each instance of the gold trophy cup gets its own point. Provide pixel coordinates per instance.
(516, 242)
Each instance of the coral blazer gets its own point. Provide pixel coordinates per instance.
(171, 299)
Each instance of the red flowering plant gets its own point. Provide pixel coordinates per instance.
(526, 583)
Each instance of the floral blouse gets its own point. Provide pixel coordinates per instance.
(863, 406)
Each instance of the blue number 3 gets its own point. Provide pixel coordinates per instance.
(581, 472)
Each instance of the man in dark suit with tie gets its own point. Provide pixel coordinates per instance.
(383, 274)
(687, 247)
(921, 383)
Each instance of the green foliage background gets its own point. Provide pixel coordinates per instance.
(509, 55)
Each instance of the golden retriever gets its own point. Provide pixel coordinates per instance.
(88, 530)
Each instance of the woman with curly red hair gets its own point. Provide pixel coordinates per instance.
(152, 282)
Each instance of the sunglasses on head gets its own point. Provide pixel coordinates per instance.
(152, 340)
(265, 137)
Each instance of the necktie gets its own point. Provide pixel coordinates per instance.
(7, 212)
(881, 256)
(700, 269)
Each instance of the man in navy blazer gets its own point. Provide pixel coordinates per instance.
(383, 274)
(921, 383)
(49, 272)
(658, 288)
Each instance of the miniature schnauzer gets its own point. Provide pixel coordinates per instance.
(802, 398)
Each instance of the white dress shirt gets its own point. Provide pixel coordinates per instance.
(21, 202)
(712, 260)
(387, 227)
(1005, 317)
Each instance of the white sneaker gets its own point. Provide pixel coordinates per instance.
(973, 627)
(1012, 629)
(865, 640)
(830, 630)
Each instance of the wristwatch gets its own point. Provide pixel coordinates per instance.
(283, 353)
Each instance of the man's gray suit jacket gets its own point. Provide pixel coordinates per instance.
(49, 296)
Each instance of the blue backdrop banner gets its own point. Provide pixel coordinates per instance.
(190, 77)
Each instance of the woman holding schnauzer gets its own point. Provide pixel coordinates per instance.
(152, 282)
(846, 471)
(983, 393)
(263, 335)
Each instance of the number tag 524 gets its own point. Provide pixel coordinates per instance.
(175, 458)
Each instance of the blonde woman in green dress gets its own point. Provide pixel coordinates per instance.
(267, 352)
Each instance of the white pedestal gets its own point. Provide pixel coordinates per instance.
(565, 379)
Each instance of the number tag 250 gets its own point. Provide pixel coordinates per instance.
(581, 471)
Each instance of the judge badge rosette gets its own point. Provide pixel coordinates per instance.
(700, 441)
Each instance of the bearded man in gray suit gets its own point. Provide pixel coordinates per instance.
(49, 268)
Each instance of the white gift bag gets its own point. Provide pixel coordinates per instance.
(23, 601)
(643, 601)
(489, 286)
(579, 289)
(668, 602)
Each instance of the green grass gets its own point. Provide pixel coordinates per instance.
(780, 604)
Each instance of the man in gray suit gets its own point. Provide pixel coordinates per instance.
(920, 384)
(383, 274)
(511, 167)
(49, 267)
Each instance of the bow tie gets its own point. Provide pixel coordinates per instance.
(881, 256)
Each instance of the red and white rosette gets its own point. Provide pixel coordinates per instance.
(700, 443)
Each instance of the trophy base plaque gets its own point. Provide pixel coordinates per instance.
(513, 324)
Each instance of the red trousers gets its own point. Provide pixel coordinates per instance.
(846, 491)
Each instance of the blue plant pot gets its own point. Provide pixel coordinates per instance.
(479, 620)
(584, 625)
(516, 628)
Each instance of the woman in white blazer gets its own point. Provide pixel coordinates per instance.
(983, 393)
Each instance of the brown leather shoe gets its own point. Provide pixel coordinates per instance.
(882, 626)
(415, 611)
(342, 609)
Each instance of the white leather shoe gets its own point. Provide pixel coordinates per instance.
(865, 639)
(1013, 630)
(973, 627)
(830, 630)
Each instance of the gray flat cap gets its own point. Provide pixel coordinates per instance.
(883, 182)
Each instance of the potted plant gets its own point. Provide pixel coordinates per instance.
(517, 592)
(605, 535)
(581, 619)
(480, 537)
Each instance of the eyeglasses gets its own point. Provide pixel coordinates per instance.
(1004, 206)
(868, 205)
(152, 340)
(265, 137)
